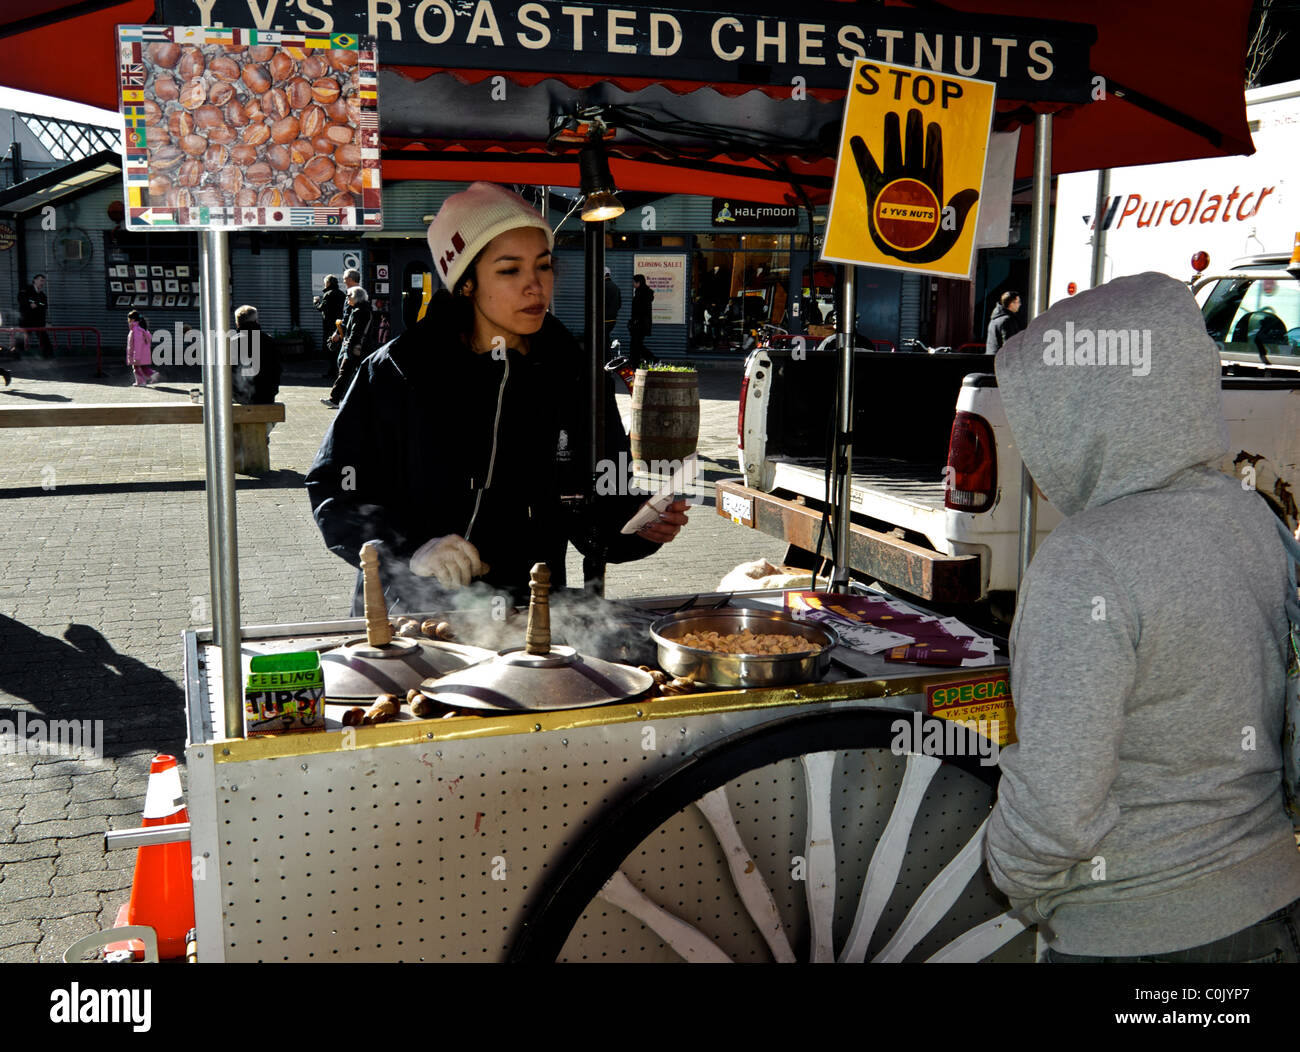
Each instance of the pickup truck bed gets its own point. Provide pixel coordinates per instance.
(920, 485)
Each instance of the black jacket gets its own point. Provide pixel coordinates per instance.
(408, 456)
(331, 306)
(642, 298)
(613, 301)
(263, 385)
(358, 339)
(1002, 326)
(32, 307)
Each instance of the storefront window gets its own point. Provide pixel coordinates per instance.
(739, 282)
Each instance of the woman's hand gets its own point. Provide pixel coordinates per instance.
(671, 521)
(451, 559)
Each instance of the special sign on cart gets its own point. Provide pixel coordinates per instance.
(910, 170)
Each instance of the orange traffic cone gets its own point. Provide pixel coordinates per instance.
(162, 891)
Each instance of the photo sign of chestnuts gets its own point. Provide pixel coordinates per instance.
(247, 131)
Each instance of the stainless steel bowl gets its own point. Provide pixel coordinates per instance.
(742, 670)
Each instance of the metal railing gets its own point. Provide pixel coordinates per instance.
(84, 332)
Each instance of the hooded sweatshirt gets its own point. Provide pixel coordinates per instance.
(1141, 811)
(1003, 324)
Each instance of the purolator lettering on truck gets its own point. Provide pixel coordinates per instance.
(1156, 217)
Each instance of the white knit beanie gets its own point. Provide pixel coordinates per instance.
(467, 221)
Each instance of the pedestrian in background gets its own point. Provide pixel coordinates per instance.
(139, 350)
(330, 303)
(257, 383)
(33, 310)
(638, 325)
(351, 280)
(1005, 321)
(358, 341)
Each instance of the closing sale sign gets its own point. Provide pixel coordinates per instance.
(910, 170)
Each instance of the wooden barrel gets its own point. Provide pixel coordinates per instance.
(665, 415)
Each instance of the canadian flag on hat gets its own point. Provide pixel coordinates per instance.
(449, 257)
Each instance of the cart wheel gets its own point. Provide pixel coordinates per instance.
(944, 798)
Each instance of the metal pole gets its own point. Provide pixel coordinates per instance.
(208, 282)
(593, 566)
(218, 426)
(848, 314)
(1099, 230)
(1039, 244)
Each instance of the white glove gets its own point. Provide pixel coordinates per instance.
(451, 559)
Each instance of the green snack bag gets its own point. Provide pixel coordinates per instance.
(284, 693)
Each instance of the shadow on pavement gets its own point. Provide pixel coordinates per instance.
(281, 479)
(81, 677)
(13, 392)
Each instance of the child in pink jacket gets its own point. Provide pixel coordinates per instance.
(139, 350)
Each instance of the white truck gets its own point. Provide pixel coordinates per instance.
(1158, 216)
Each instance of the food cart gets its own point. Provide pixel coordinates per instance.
(487, 837)
(499, 836)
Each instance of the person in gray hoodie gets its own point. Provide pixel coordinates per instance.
(1140, 815)
(1004, 323)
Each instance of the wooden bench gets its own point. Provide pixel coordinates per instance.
(252, 447)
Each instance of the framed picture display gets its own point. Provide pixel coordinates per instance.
(156, 271)
(141, 270)
(141, 300)
(171, 300)
(123, 301)
(182, 272)
(182, 300)
(336, 68)
(173, 285)
(158, 300)
(115, 286)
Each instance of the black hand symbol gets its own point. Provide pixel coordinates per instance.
(927, 170)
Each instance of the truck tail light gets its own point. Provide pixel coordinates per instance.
(971, 478)
(740, 420)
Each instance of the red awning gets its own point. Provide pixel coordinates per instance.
(1171, 72)
(73, 58)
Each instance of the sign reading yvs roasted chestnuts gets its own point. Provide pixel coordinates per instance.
(244, 128)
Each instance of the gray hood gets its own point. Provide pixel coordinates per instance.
(1090, 433)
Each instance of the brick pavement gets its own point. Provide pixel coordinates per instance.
(105, 566)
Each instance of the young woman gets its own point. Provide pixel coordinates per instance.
(457, 443)
(139, 350)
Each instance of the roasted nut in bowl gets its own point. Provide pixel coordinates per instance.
(742, 670)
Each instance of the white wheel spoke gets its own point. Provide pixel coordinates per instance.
(979, 942)
(688, 941)
(936, 900)
(749, 882)
(887, 859)
(820, 855)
